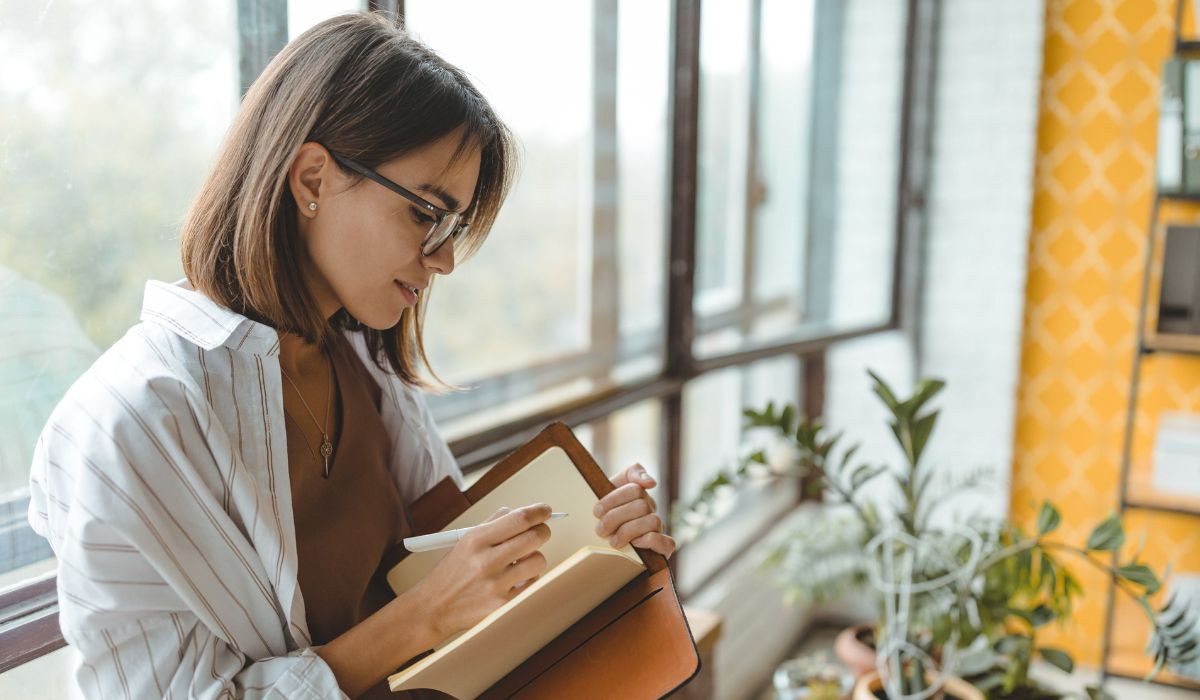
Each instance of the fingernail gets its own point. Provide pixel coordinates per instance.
(613, 541)
(600, 529)
(598, 510)
(644, 476)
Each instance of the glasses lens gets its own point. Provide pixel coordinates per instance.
(442, 229)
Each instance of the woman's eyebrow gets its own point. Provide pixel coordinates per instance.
(448, 201)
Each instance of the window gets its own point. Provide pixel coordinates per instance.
(640, 285)
(568, 295)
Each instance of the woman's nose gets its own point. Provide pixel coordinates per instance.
(442, 260)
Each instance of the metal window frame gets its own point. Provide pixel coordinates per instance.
(28, 614)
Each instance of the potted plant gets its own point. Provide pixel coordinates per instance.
(996, 585)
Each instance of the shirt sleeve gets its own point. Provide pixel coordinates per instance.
(159, 591)
(174, 655)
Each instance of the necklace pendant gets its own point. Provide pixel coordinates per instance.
(326, 452)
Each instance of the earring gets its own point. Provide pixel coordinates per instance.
(312, 206)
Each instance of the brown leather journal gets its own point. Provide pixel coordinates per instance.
(636, 644)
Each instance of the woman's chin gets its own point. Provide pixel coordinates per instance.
(379, 319)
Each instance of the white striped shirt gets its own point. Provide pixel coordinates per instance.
(161, 482)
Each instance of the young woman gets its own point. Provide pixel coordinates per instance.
(225, 488)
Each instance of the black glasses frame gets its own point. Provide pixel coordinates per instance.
(443, 218)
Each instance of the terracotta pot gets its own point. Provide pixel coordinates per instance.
(866, 686)
(858, 657)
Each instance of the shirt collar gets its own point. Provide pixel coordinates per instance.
(189, 314)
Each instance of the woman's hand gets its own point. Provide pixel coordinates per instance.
(487, 567)
(628, 515)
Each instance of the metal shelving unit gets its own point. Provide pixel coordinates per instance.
(1133, 663)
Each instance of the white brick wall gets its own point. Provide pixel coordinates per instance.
(985, 119)
(985, 128)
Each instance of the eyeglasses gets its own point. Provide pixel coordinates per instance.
(446, 224)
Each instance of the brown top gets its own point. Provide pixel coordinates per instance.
(349, 526)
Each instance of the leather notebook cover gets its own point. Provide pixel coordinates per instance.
(635, 644)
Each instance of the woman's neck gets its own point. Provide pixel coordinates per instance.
(300, 358)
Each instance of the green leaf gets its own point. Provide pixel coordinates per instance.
(1048, 519)
(991, 681)
(884, 392)
(1108, 535)
(863, 474)
(921, 432)
(786, 418)
(1041, 615)
(1141, 575)
(848, 456)
(926, 389)
(1057, 657)
(1011, 643)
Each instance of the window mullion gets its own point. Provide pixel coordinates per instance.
(681, 255)
(754, 182)
(605, 273)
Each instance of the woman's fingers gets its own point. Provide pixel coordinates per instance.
(522, 544)
(622, 514)
(619, 497)
(634, 474)
(503, 510)
(521, 572)
(508, 525)
(633, 529)
(656, 541)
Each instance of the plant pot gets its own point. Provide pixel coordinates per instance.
(868, 685)
(858, 656)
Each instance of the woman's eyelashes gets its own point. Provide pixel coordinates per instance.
(419, 216)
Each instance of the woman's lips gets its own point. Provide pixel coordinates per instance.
(408, 293)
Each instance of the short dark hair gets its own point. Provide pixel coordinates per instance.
(362, 87)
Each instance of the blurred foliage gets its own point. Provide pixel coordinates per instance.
(110, 113)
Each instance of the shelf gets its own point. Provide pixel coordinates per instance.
(1160, 507)
(1175, 350)
(1174, 346)
(1144, 496)
(1179, 196)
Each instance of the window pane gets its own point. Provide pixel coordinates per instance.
(303, 14)
(723, 152)
(783, 154)
(524, 297)
(820, 242)
(868, 157)
(643, 143)
(110, 115)
(566, 296)
(714, 438)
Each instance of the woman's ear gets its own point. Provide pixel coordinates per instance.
(308, 176)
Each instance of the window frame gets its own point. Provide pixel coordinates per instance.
(29, 614)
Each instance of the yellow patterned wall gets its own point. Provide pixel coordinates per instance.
(1093, 192)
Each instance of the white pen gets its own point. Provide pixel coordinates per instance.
(441, 540)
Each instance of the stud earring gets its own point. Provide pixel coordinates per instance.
(312, 206)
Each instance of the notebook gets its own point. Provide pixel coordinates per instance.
(582, 571)
(634, 643)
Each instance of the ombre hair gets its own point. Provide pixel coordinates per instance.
(363, 88)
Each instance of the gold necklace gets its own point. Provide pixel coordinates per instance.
(326, 444)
